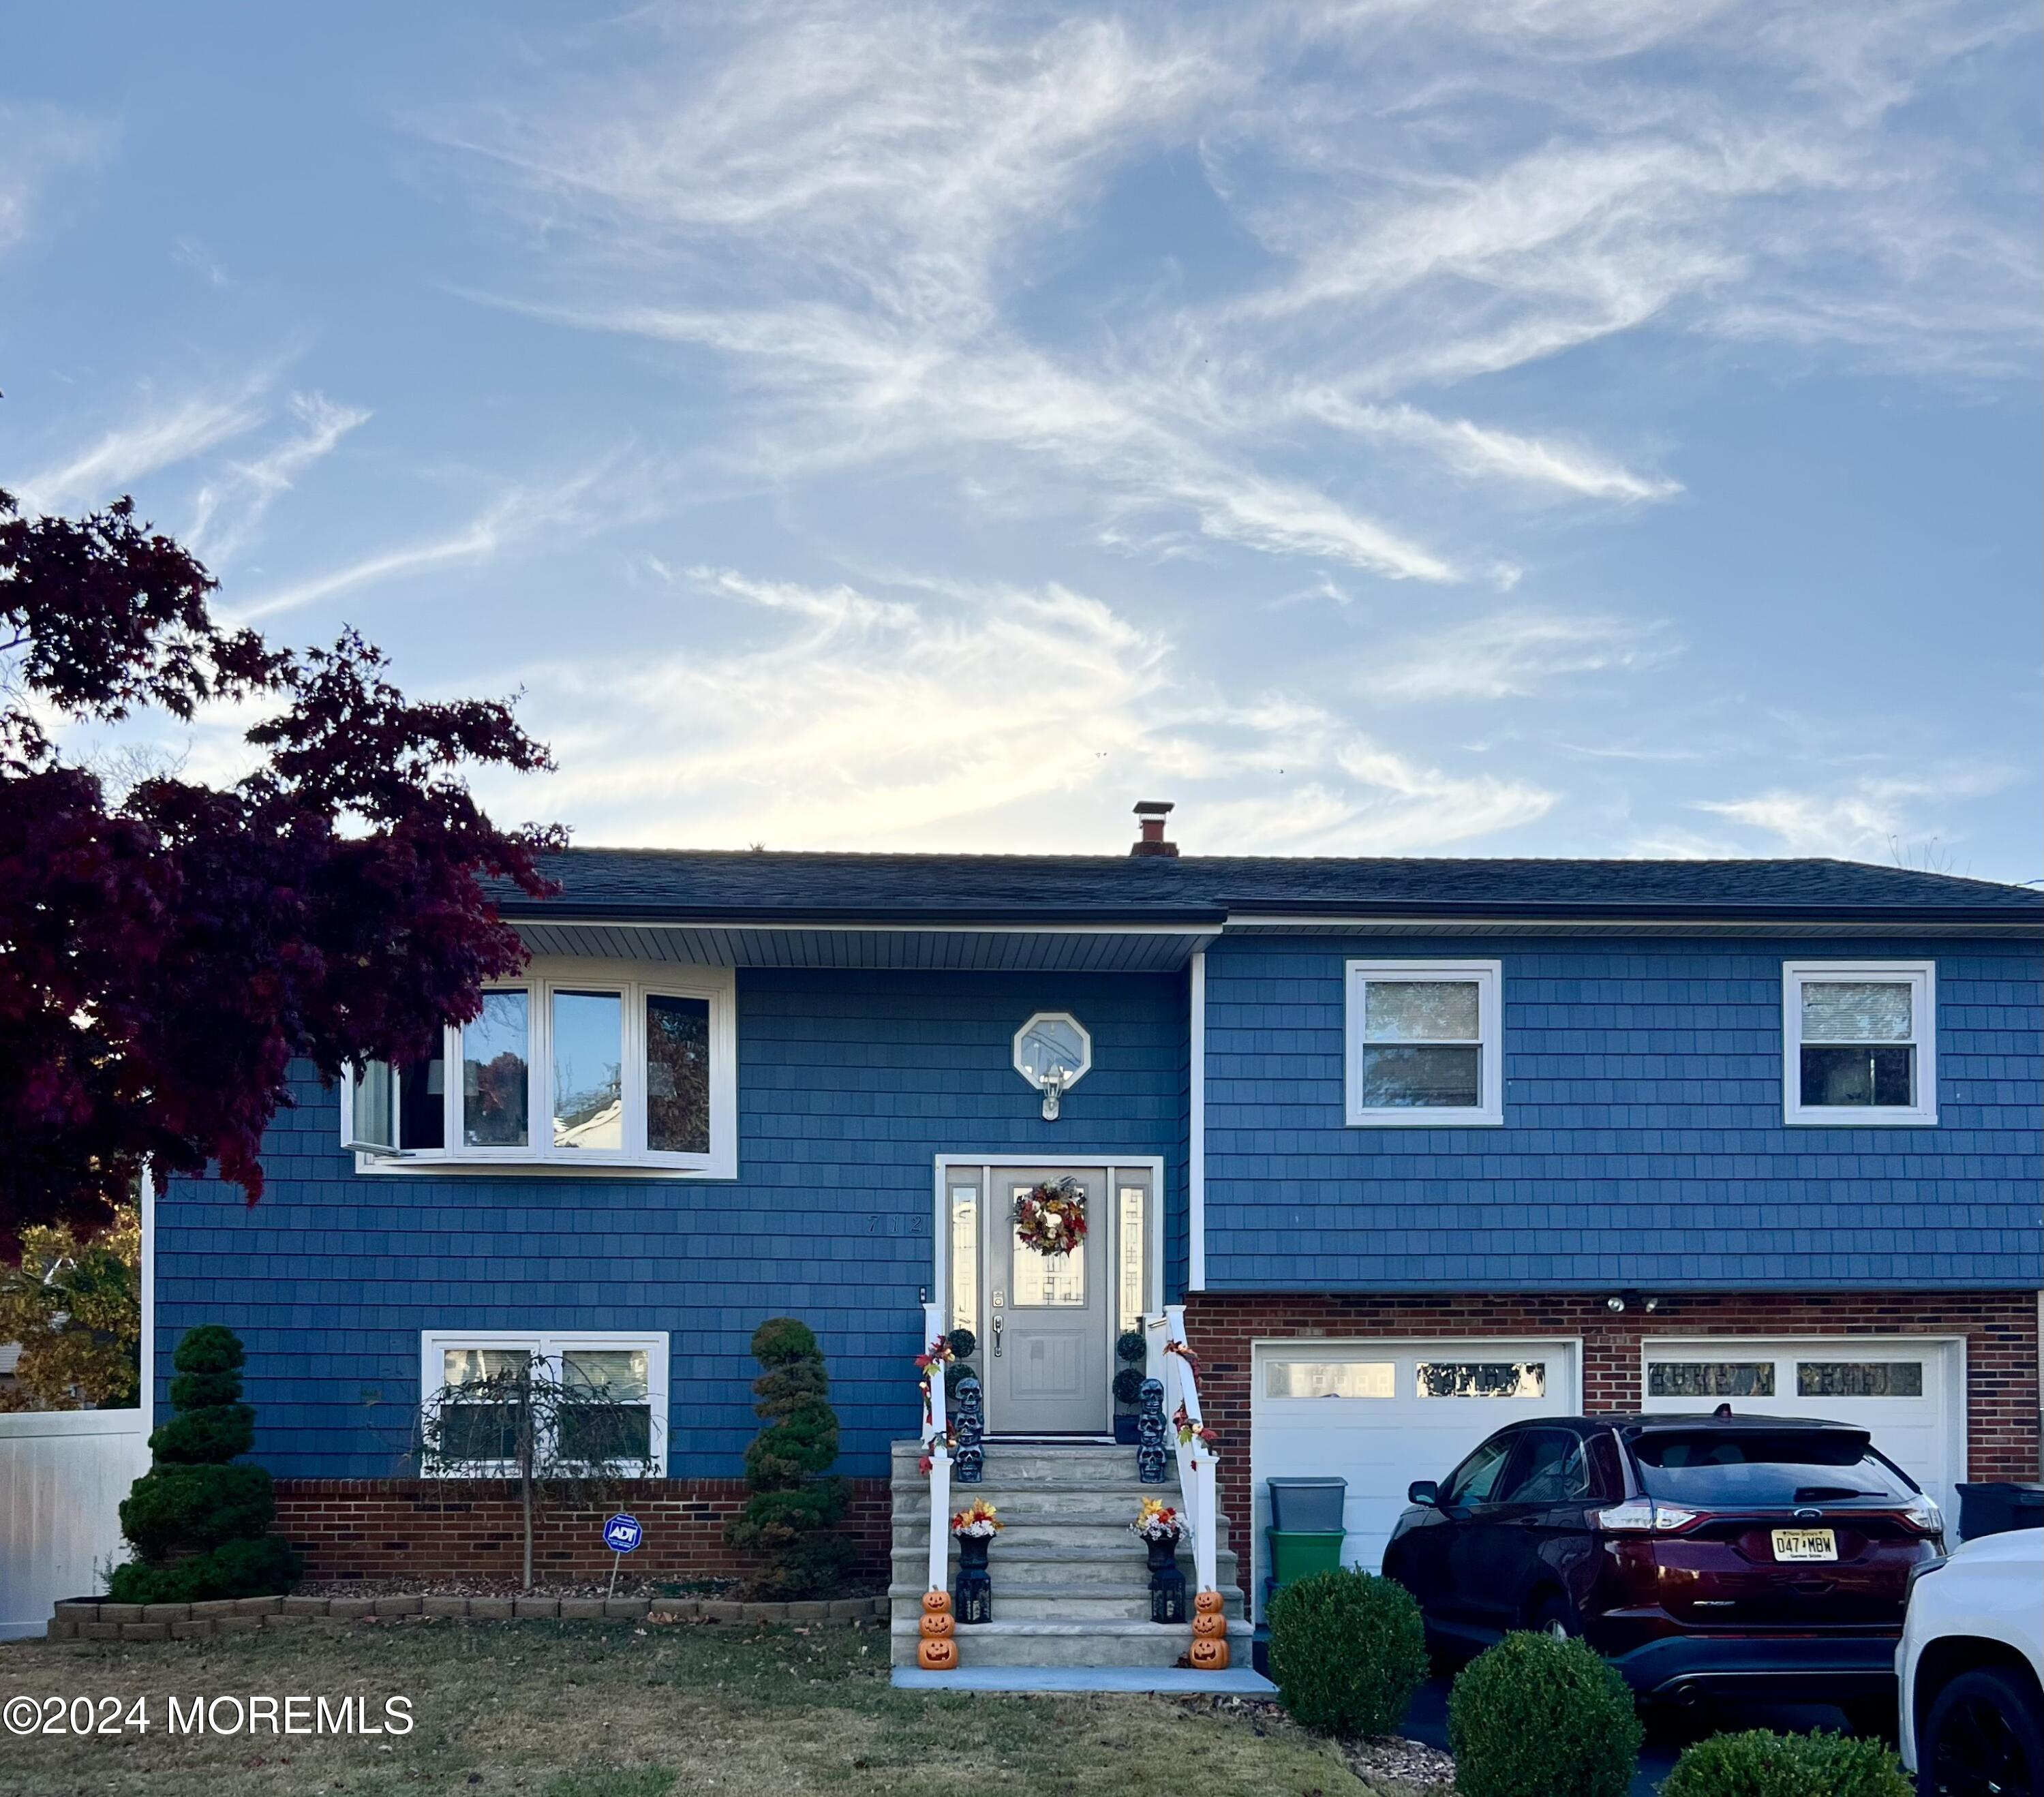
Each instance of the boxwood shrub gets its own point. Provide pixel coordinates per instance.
(1536, 1716)
(1347, 1651)
(1761, 1764)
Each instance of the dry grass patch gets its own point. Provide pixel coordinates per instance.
(584, 1710)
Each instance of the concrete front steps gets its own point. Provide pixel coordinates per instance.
(1071, 1586)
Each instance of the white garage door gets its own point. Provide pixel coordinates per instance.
(1909, 1395)
(1381, 1414)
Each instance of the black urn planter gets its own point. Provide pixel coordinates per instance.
(1167, 1583)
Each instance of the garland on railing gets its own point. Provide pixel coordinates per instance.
(1184, 1354)
(1203, 1435)
(929, 1365)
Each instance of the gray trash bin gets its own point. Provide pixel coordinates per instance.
(1308, 1507)
(1994, 1508)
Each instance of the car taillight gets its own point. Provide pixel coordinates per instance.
(1923, 1515)
(1642, 1516)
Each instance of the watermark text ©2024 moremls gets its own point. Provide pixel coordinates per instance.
(227, 1716)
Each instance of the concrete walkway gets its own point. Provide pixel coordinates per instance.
(1237, 1681)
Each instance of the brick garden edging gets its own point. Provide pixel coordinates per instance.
(90, 1619)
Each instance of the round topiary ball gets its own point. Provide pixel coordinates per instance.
(962, 1343)
(1128, 1385)
(1347, 1651)
(211, 1347)
(1537, 1716)
(1129, 1346)
(781, 1340)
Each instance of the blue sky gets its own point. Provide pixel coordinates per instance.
(1587, 427)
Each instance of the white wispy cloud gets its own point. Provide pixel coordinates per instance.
(163, 434)
(1512, 655)
(230, 507)
(38, 144)
(1865, 819)
(849, 718)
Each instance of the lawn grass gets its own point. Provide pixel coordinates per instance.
(586, 1710)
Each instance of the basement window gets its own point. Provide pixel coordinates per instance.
(625, 1375)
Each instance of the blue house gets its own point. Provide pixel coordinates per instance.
(1419, 1145)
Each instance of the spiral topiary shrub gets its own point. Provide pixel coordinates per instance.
(1536, 1716)
(1761, 1764)
(198, 1524)
(1347, 1651)
(794, 1506)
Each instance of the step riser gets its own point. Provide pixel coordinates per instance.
(1054, 1568)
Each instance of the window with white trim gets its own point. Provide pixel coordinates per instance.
(626, 1373)
(582, 1066)
(1425, 1042)
(1859, 1042)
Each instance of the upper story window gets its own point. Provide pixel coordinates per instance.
(1423, 1042)
(1860, 1041)
(583, 1066)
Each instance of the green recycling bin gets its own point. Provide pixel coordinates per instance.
(1295, 1554)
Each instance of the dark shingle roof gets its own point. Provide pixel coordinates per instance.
(731, 885)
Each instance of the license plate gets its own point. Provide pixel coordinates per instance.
(1805, 1544)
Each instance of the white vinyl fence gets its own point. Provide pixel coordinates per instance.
(63, 1475)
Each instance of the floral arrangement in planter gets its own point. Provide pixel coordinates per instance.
(977, 1522)
(1052, 1219)
(1158, 1520)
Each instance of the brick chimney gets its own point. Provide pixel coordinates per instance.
(1151, 813)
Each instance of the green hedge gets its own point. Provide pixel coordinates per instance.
(1347, 1651)
(1539, 1717)
(1761, 1764)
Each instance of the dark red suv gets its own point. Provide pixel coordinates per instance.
(1691, 1551)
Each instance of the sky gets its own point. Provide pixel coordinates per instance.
(1514, 427)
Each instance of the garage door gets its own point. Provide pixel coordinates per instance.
(1909, 1395)
(1381, 1414)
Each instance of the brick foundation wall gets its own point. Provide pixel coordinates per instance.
(430, 1529)
(2001, 1329)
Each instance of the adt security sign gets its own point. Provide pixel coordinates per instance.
(622, 1534)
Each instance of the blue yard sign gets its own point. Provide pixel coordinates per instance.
(621, 1534)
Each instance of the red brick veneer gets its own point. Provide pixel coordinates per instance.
(2001, 1329)
(438, 1528)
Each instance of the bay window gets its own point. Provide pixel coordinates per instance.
(580, 1064)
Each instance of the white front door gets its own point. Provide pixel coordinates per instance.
(1046, 1323)
(1908, 1394)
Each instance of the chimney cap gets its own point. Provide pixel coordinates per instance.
(1153, 808)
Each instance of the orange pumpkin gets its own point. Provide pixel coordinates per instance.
(1208, 1604)
(1210, 1627)
(936, 1603)
(935, 1627)
(1209, 1655)
(939, 1654)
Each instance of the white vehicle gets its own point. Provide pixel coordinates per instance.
(1971, 1669)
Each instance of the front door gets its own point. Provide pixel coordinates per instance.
(1047, 1343)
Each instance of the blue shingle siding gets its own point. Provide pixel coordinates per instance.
(1643, 1141)
(849, 1085)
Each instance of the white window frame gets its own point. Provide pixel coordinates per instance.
(1921, 976)
(1487, 978)
(549, 1345)
(636, 981)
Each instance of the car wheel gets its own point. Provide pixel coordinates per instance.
(1557, 1617)
(1983, 1738)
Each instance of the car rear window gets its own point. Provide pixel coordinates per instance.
(1717, 1468)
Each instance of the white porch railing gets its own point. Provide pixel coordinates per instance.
(936, 1447)
(1165, 1335)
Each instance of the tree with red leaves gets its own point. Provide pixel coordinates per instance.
(168, 952)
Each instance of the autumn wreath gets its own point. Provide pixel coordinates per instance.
(1052, 1219)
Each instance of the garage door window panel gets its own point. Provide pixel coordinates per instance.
(1330, 1379)
(1423, 1043)
(1859, 1379)
(1481, 1379)
(1710, 1379)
